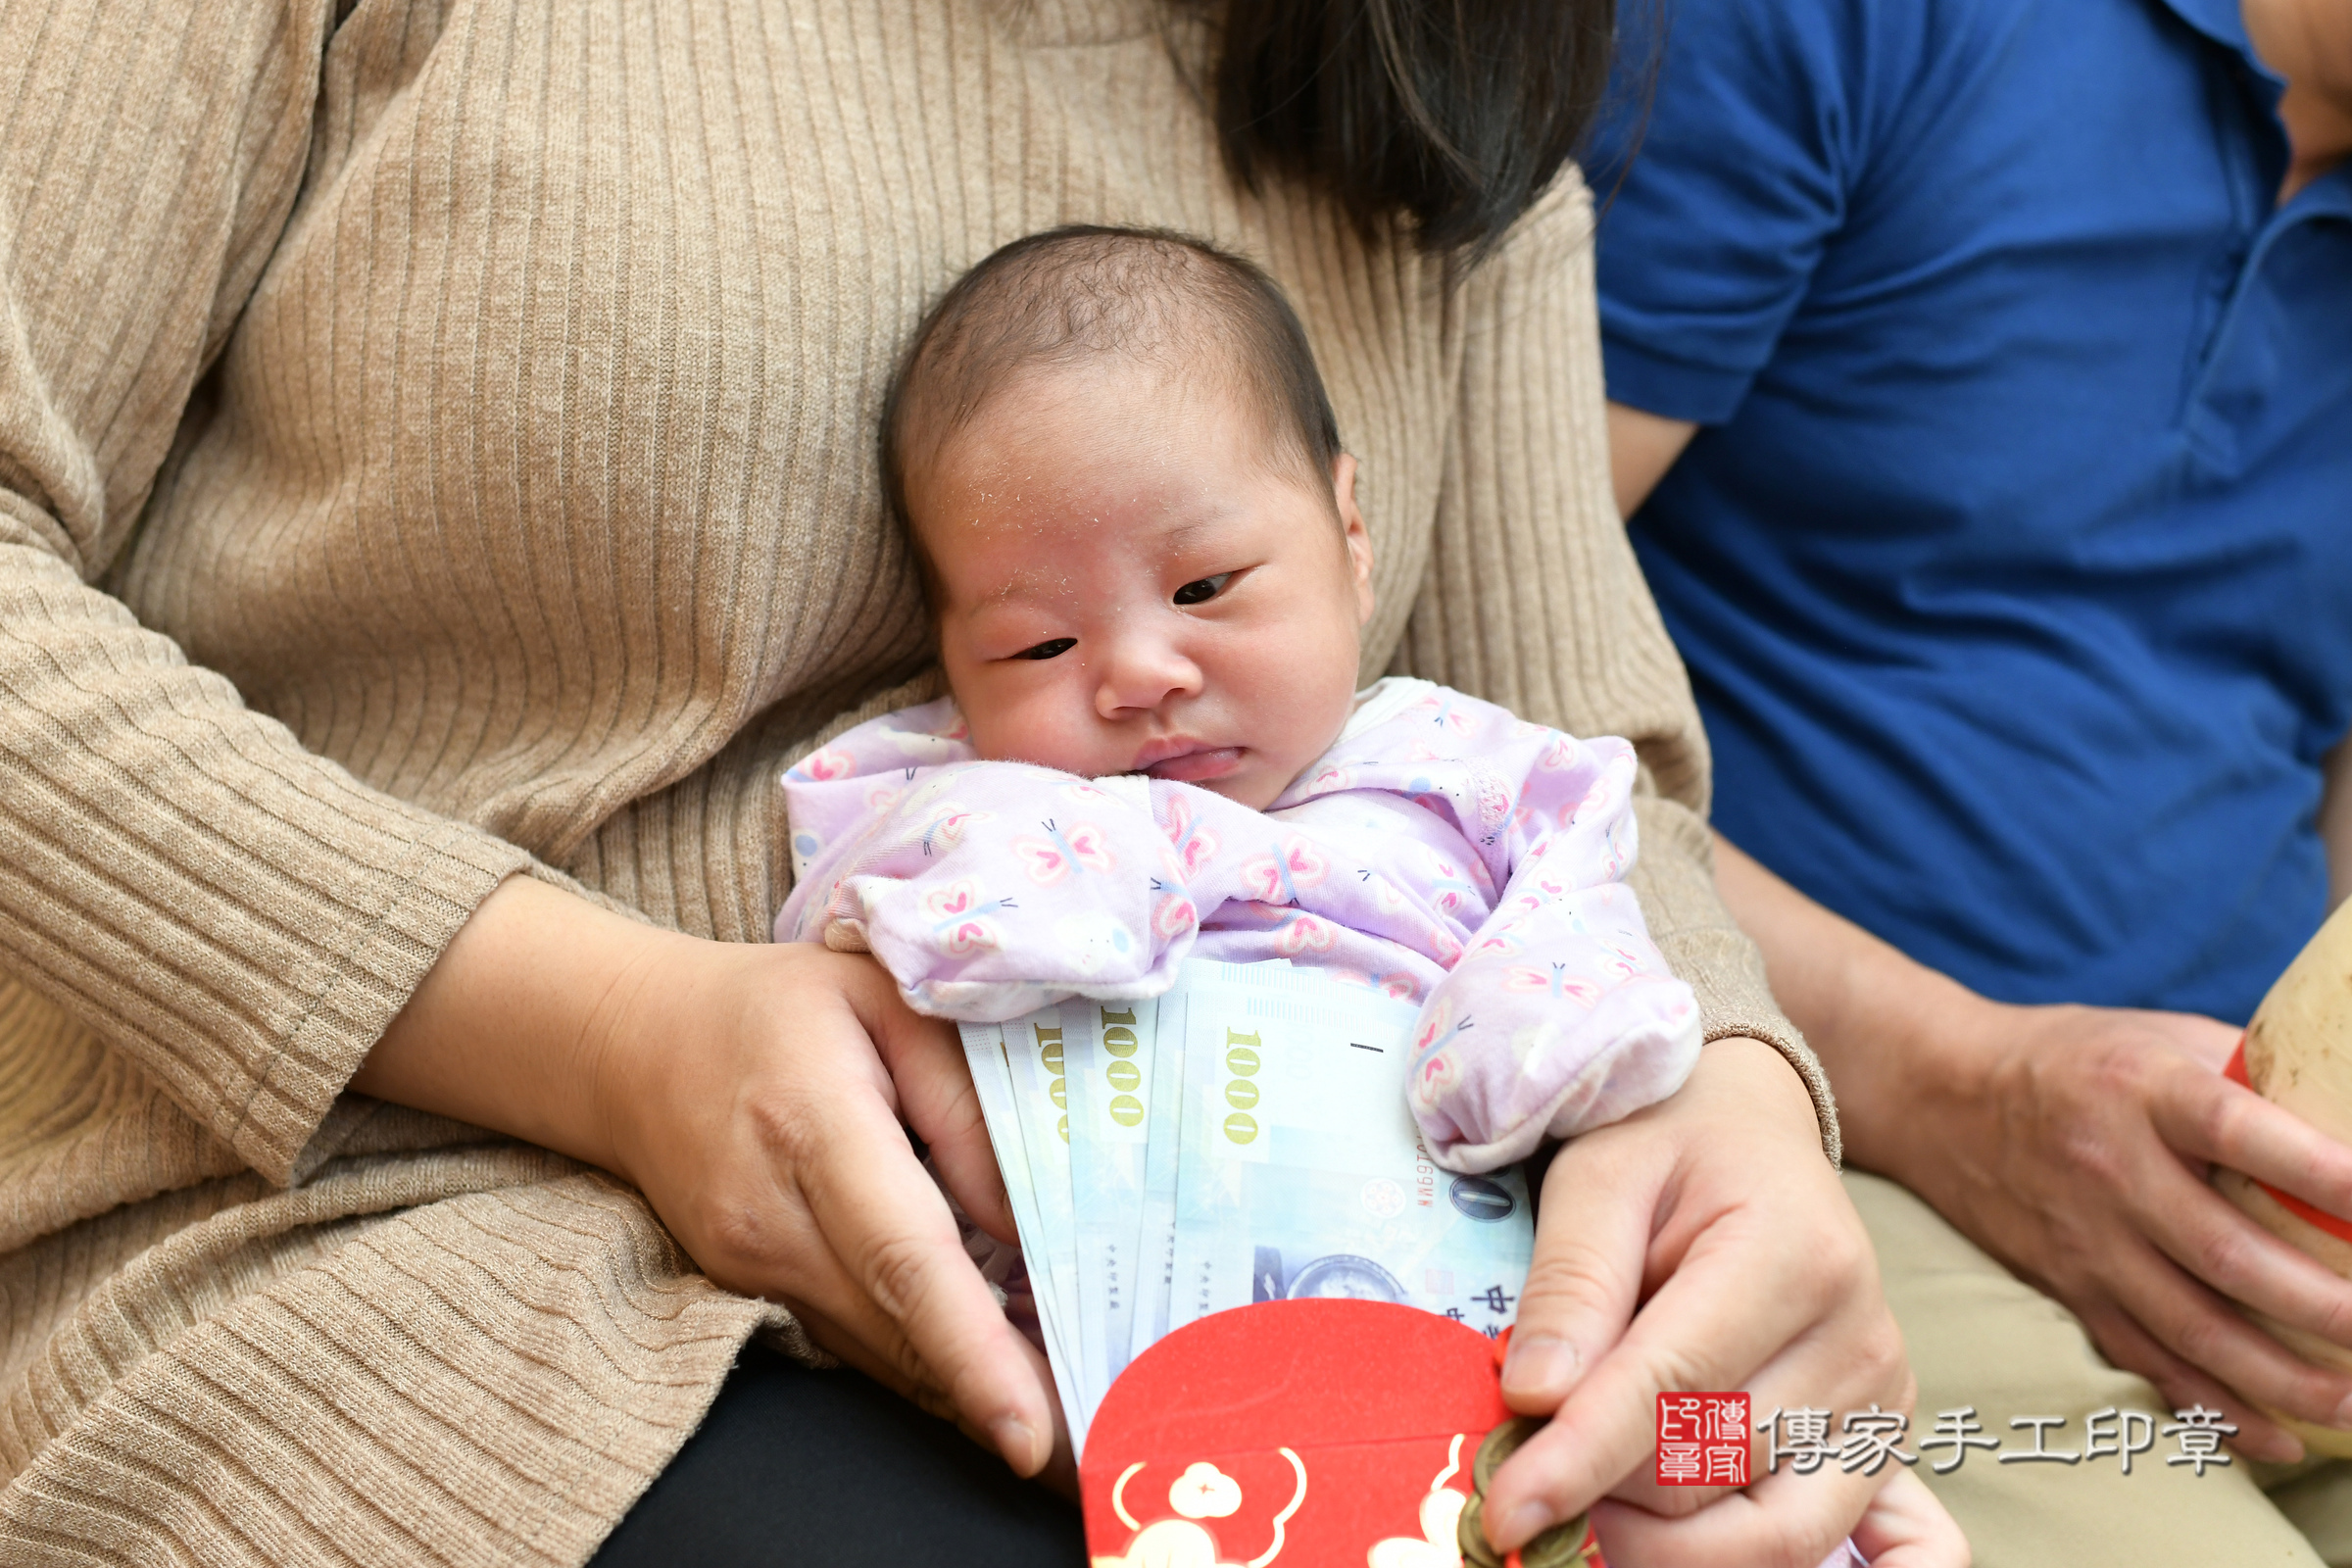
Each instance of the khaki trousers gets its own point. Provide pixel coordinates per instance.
(1980, 1337)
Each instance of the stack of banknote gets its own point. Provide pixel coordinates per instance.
(1242, 1138)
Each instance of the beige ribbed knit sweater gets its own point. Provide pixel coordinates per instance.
(436, 443)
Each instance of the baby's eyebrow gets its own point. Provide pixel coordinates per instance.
(1181, 536)
(1044, 581)
(1025, 584)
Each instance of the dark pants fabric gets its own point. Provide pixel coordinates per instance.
(798, 1466)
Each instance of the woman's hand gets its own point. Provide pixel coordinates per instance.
(2074, 1144)
(759, 1096)
(1700, 1245)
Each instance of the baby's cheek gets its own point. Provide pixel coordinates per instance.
(1314, 698)
(1051, 727)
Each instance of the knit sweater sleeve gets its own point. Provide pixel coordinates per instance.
(239, 916)
(1533, 599)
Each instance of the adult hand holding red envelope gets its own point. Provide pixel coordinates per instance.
(1704, 1244)
(1713, 1215)
(1327, 1434)
(1775, 1271)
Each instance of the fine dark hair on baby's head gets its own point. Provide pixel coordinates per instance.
(1069, 294)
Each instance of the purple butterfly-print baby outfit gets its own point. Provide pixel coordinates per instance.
(1442, 851)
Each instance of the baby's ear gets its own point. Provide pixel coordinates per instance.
(1352, 532)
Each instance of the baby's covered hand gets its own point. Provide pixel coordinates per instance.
(1560, 1013)
(991, 889)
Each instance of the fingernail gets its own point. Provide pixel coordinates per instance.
(1016, 1440)
(1538, 1366)
(1521, 1525)
(2343, 1413)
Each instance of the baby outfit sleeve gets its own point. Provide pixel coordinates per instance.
(1561, 1015)
(1530, 596)
(988, 890)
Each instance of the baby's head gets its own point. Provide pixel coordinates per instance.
(1137, 533)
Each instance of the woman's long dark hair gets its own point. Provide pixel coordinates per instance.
(1454, 114)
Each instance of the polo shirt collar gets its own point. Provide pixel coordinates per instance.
(2328, 196)
(2222, 23)
(2331, 195)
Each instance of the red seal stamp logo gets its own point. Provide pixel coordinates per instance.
(1702, 1440)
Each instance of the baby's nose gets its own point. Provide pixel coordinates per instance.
(1142, 673)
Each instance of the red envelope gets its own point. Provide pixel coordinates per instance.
(1312, 1434)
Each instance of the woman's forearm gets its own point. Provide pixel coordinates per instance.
(511, 1028)
(754, 1094)
(1874, 1016)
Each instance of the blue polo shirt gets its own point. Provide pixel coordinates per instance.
(2014, 564)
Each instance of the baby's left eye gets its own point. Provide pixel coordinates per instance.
(1202, 590)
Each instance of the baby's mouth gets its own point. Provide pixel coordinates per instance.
(1186, 762)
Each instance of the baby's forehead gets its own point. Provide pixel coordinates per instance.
(1107, 421)
(1204, 370)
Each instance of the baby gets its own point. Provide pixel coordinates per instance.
(1142, 552)
(1139, 539)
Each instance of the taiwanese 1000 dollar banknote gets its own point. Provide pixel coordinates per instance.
(1037, 1048)
(1109, 1071)
(1245, 1138)
(1008, 1133)
(1156, 1235)
(1301, 1172)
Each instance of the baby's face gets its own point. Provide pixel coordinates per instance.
(1133, 578)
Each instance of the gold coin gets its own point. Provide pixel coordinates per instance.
(1471, 1535)
(1500, 1444)
(1560, 1546)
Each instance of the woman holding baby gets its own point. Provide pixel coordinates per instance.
(436, 501)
